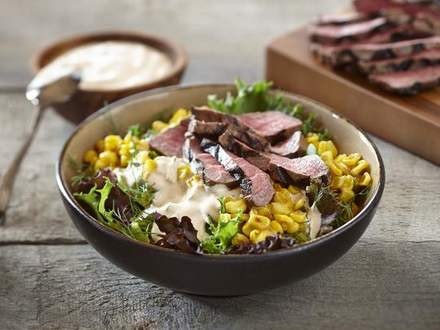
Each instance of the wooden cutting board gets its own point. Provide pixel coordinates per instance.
(411, 122)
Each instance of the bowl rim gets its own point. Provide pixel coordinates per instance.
(179, 63)
(68, 196)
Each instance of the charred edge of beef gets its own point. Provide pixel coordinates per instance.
(349, 32)
(408, 82)
(199, 127)
(337, 56)
(170, 141)
(240, 131)
(255, 184)
(211, 171)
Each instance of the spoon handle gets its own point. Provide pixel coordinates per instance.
(8, 178)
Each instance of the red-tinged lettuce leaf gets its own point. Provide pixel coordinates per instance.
(269, 244)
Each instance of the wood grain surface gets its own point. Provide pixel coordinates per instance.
(50, 279)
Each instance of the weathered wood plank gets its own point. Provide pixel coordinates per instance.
(225, 39)
(72, 287)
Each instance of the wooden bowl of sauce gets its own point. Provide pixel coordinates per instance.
(112, 65)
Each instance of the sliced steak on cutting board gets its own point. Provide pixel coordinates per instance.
(275, 126)
(331, 34)
(408, 82)
(255, 184)
(426, 58)
(202, 163)
(170, 141)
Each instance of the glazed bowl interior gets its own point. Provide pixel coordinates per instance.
(211, 274)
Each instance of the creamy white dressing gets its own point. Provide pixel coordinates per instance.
(108, 65)
(174, 198)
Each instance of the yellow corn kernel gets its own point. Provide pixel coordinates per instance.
(294, 190)
(276, 227)
(365, 179)
(347, 182)
(361, 166)
(281, 208)
(288, 224)
(100, 146)
(112, 142)
(255, 222)
(178, 116)
(240, 239)
(298, 216)
(124, 149)
(159, 126)
(149, 165)
(352, 159)
(283, 196)
(142, 145)
(224, 217)
(124, 161)
(327, 157)
(236, 206)
(90, 156)
(127, 138)
(259, 235)
(324, 146)
(100, 164)
(341, 165)
(262, 210)
(109, 158)
(313, 138)
(346, 195)
(183, 172)
(299, 204)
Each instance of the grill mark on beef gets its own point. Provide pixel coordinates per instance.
(281, 169)
(408, 82)
(337, 55)
(295, 145)
(254, 183)
(199, 127)
(170, 141)
(239, 130)
(211, 171)
(417, 61)
(274, 126)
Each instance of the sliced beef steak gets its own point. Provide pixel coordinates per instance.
(295, 145)
(238, 129)
(170, 141)
(343, 55)
(203, 128)
(408, 82)
(211, 171)
(281, 169)
(255, 184)
(426, 58)
(341, 19)
(275, 126)
(354, 31)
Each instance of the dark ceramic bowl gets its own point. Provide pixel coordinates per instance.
(84, 102)
(212, 275)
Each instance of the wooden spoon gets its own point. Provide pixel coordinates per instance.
(55, 92)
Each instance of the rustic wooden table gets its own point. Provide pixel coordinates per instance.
(49, 276)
